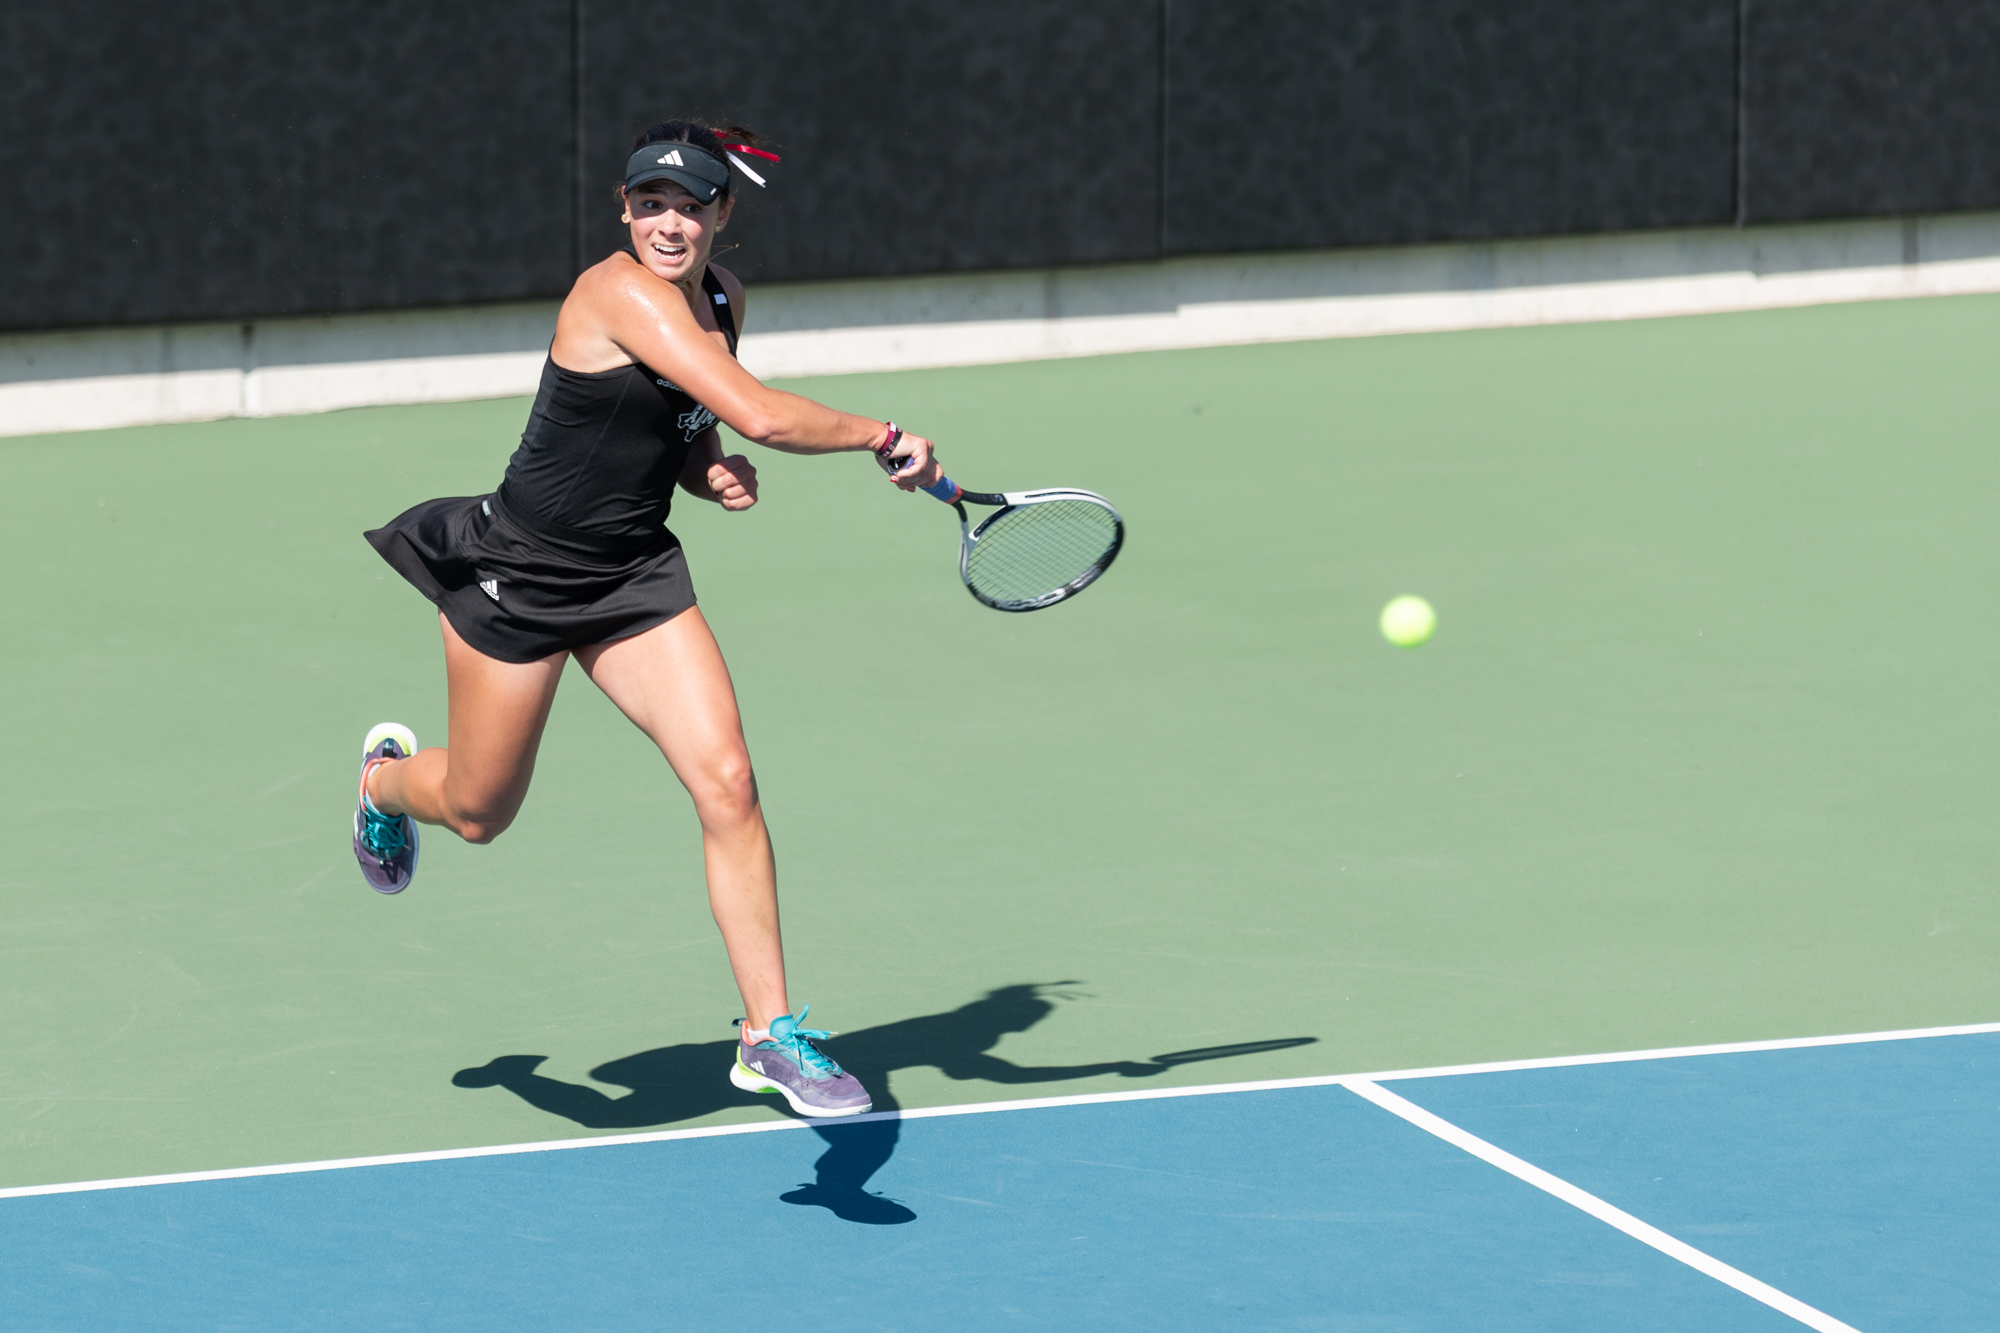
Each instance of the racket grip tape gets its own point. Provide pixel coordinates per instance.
(946, 490)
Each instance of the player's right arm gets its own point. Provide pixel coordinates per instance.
(625, 314)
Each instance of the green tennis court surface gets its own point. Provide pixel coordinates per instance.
(1702, 752)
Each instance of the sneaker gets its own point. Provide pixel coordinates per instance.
(790, 1064)
(385, 845)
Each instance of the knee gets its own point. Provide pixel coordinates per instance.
(479, 827)
(727, 791)
(476, 833)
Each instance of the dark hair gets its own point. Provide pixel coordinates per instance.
(701, 134)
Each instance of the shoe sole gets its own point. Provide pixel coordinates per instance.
(751, 1081)
(382, 731)
(407, 739)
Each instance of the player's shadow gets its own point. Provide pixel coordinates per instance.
(673, 1083)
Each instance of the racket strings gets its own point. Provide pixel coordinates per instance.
(1036, 549)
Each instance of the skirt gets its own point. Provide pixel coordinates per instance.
(521, 589)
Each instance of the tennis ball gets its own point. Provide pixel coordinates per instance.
(1407, 622)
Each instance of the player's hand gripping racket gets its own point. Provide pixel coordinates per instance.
(1041, 548)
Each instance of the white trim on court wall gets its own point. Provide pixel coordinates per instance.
(93, 379)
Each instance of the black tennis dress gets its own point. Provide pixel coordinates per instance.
(573, 549)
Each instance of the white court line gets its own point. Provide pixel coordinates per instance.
(980, 1108)
(1598, 1208)
(1678, 1052)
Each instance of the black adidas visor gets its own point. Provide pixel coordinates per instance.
(702, 173)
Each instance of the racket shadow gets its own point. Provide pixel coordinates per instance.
(687, 1081)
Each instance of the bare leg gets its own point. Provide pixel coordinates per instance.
(672, 682)
(475, 786)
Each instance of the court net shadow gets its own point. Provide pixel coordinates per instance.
(689, 1080)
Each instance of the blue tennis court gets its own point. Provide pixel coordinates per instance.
(1854, 1179)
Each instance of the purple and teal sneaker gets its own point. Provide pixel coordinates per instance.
(385, 845)
(790, 1064)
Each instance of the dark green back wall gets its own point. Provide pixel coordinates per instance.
(219, 158)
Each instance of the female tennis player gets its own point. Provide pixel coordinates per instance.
(570, 557)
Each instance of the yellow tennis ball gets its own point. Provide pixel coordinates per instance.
(1407, 622)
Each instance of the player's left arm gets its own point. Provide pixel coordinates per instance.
(709, 474)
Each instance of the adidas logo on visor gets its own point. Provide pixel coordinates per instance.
(672, 159)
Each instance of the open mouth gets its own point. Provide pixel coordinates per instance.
(673, 254)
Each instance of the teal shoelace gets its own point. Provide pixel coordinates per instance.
(383, 834)
(797, 1042)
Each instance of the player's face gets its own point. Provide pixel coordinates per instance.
(672, 231)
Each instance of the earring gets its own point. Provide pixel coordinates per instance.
(626, 219)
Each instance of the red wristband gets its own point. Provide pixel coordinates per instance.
(890, 442)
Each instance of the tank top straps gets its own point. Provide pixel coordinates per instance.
(603, 450)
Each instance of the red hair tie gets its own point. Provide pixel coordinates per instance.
(743, 166)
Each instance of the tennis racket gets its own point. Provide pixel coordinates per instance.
(1043, 547)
